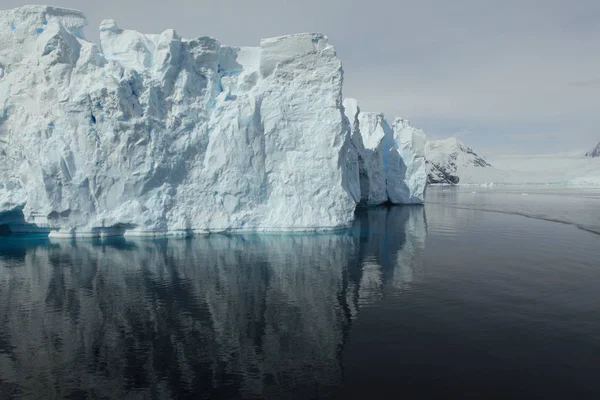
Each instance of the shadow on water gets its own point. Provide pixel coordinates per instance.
(252, 316)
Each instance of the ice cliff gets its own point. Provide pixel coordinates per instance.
(155, 134)
(449, 159)
(391, 159)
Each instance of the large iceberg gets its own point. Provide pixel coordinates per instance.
(156, 134)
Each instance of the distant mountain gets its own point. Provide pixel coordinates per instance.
(448, 158)
(595, 152)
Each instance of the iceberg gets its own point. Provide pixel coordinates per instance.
(155, 134)
(391, 159)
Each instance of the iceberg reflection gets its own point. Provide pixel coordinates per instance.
(233, 316)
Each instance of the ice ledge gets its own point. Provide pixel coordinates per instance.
(314, 37)
(110, 232)
(285, 48)
(40, 8)
(71, 19)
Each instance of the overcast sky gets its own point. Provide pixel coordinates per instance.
(506, 76)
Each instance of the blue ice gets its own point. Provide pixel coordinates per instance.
(232, 72)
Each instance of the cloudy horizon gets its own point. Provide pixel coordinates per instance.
(505, 77)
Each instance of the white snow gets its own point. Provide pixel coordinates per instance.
(557, 169)
(156, 134)
(589, 180)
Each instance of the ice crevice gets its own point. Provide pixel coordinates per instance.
(155, 134)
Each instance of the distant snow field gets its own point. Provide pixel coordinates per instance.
(563, 168)
(465, 167)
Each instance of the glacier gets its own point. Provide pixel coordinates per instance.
(154, 134)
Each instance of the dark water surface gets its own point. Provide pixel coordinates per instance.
(414, 301)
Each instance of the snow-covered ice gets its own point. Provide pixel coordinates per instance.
(157, 134)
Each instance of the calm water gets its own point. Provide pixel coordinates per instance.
(563, 204)
(417, 301)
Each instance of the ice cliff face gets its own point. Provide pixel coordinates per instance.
(595, 152)
(391, 159)
(448, 158)
(153, 134)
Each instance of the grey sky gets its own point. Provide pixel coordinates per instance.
(511, 76)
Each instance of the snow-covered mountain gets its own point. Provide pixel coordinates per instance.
(157, 134)
(595, 152)
(449, 159)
